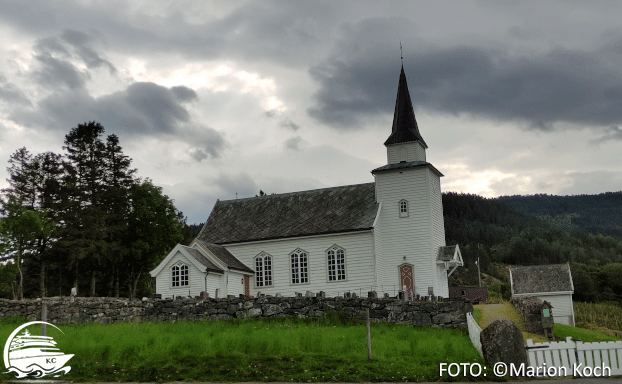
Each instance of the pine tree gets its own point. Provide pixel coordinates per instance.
(84, 238)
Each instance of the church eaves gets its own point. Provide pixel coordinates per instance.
(405, 127)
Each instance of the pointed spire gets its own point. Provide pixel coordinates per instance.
(405, 127)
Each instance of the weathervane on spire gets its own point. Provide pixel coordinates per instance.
(401, 53)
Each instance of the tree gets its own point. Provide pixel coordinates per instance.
(21, 226)
(155, 226)
(118, 181)
(34, 184)
(84, 238)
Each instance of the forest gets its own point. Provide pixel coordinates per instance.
(500, 236)
(84, 218)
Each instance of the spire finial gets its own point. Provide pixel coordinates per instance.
(401, 53)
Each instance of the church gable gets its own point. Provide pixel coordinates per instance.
(320, 211)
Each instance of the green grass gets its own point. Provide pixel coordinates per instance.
(262, 350)
(586, 335)
(477, 315)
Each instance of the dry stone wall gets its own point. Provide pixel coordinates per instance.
(450, 314)
(531, 309)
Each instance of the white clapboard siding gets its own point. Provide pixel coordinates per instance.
(359, 254)
(562, 307)
(236, 284)
(413, 151)
(474, 332)
(438, 228)
(409, 237)
(213, 283)
(164, 280)
(570, 354)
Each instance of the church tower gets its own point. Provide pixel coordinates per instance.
(409, 233)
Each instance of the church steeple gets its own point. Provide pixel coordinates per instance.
(405, 127)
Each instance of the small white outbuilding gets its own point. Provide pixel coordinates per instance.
(552, 283)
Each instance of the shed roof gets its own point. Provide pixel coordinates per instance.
(226, 257)
(320, 211)
(446, 253)
(541, 279)
(198, 256)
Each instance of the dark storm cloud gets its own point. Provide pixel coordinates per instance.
(56, 59)
(248, 31)
(54, 72)
(11, 94)
(81, 43)
(287, 123)
(184, 93)
(559, 86)
(294, 143)
(142, 109)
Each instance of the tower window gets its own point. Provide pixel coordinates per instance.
(403, 208)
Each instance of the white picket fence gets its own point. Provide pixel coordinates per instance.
(474, 331)
(571, 354)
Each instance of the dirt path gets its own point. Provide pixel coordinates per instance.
(505, 311)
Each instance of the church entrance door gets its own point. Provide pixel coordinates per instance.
(407, 280)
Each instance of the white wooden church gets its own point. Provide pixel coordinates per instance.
(386, 236)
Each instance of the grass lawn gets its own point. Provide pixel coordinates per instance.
(586, 335)
(261, 350)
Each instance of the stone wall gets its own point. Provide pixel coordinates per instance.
(531, 309)
(450, 314)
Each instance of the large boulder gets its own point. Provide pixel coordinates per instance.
(502, 341)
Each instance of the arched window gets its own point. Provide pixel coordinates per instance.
(300, 273)
(263, 270)
(403, 208)
(336, 260)
(180, 275)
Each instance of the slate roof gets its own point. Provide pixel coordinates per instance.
(405, 127)
(319, 211)
(198, 256)
(446, 253)
(541, 278)
(403, 165)
(226, 257)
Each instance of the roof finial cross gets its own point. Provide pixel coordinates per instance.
(401, 53)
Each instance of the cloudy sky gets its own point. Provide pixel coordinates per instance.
(214, 99)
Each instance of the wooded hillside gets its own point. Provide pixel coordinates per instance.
(500, 235)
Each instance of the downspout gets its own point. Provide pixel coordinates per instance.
(205, 281)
